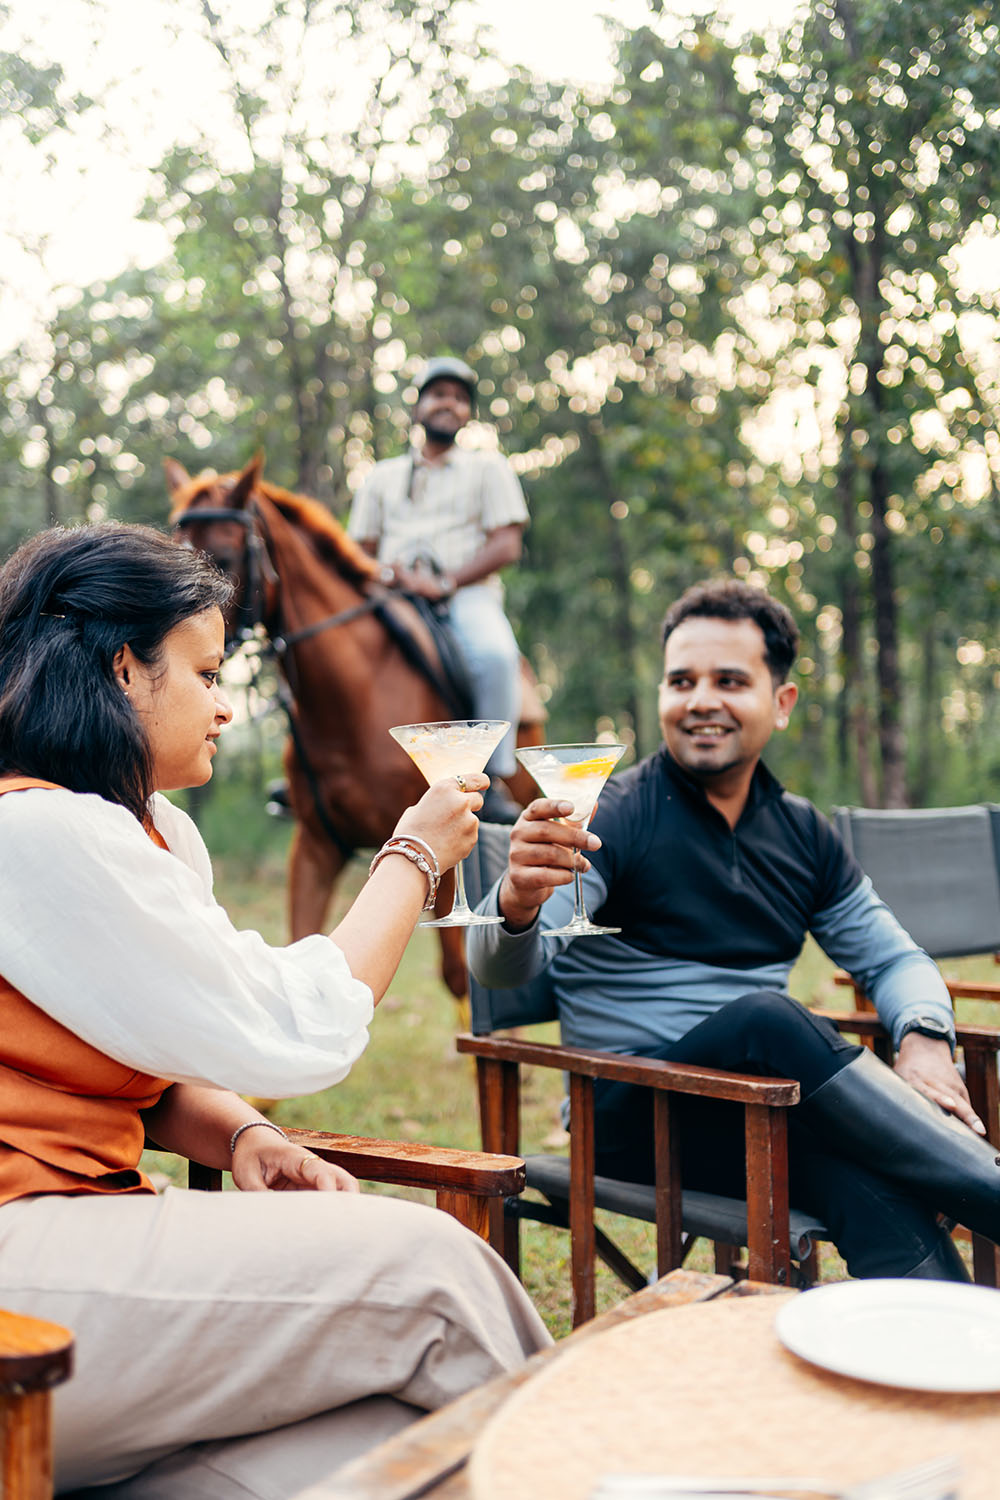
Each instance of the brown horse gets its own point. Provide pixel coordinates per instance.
(314, 591)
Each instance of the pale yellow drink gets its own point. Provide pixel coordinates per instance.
(448, 749)
(579, 782)
(573, 773)
(453, 747)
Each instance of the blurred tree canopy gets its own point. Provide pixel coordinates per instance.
(730, 314)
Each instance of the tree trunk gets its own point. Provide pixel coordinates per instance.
(854, 727)
(930, 717)
(865, 258)
(892, 738)
(624, 627)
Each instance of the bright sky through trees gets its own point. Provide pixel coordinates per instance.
(76, 223)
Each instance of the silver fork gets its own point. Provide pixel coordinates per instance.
(936, 1479)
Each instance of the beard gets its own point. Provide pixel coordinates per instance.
(442, 435)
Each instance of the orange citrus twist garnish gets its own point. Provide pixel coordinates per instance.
(599, 766)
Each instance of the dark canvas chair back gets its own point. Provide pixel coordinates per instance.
(937, 868)
(495, 1010)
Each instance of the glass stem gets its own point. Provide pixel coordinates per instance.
(579, 905)
(461, 904)
(580, 909)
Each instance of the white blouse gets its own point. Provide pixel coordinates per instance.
(125, 944)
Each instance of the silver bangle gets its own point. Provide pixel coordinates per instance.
(400, 846)
(411, 838)
(249, 1125)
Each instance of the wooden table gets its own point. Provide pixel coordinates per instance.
(710, 1390)
(685, 1377)
(431, 1457)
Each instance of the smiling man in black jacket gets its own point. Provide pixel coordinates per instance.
(715, 874)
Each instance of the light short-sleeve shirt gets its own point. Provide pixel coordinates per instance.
(440, 512)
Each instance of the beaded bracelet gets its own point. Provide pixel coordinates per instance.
(401, 844)
(250, 1125)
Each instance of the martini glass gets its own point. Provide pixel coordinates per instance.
(573, 773)
(453, 747)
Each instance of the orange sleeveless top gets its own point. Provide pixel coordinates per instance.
(69, 1115)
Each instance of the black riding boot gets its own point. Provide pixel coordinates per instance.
(868, 1112)
(943, 1263)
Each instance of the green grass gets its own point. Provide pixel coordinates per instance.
(411, 1084)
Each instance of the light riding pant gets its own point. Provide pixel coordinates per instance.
(202, 1317)
(493, 660)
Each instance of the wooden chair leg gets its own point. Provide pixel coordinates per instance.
(729, 1260)
(204, 1179)
(769, 1254)
(809, 1268)
(583, 1249)
(669, 1229)
(468, 1209)
(983, 1084)
(500, 1125)
(34, 1357)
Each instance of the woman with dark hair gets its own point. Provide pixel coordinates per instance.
(227, 1345)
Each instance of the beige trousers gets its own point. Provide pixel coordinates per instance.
(203, 1318)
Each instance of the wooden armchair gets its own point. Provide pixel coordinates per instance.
(774, 1234)
(35, 1355)
(938, 869)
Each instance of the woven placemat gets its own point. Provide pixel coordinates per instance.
(710, 1390)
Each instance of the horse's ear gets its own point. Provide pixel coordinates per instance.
(246, 484)
(175, 474)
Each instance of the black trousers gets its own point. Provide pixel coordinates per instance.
(879, 1228)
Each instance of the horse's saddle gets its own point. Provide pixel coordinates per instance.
(448, 674)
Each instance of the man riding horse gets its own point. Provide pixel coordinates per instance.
(442, 520)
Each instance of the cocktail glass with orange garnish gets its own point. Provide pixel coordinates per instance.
(573, 773)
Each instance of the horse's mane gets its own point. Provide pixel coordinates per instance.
(330, 537)
(332, 541)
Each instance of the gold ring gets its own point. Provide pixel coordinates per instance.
(461, 782)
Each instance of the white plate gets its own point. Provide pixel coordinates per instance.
(920, 1335)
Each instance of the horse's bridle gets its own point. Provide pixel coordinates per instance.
(258, 572)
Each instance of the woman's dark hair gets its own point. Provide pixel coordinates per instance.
(69, 600)
(732, 599)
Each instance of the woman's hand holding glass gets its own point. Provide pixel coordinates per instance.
(445, 817)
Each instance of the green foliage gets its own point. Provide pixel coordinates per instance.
(722, 309)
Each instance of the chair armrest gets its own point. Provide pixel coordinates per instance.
(865, 1023)
(406, 1164)
(973, 989)
(958, 989)
(34, 1355)
(674, 1078)
(465, 1183)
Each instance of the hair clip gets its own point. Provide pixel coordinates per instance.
(50, 614)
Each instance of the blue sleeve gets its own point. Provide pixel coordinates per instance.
(502, 960)
(862, 935)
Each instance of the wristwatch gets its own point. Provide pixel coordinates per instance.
(928, 1026)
